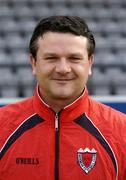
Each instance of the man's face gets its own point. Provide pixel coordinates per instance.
(62, 65)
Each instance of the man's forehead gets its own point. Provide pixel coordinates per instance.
(62, 43)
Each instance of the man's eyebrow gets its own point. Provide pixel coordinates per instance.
(69, 54)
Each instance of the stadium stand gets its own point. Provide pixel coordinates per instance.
(106, 19)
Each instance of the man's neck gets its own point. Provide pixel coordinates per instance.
(58, 103)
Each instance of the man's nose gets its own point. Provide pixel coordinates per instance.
(63, 66)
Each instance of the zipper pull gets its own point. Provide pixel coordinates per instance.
(56, 121)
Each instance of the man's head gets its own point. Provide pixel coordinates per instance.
(62, 24)
(61, 55)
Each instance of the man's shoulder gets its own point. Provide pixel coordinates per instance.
(107, 112)
(12, 116)
(14, 110)
(109, 121)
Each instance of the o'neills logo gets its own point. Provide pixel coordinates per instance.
(86, 159)
(22, 160)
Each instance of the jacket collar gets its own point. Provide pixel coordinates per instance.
(72, 111)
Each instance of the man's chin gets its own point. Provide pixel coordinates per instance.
(62, 95)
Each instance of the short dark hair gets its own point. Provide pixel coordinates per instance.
(62, 24)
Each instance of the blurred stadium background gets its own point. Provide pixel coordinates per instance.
(106, 19)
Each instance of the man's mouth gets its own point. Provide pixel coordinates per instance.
(61, 79)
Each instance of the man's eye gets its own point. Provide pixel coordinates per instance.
(51, 58)
(75, 58)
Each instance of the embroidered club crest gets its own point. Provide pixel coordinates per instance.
(86, 159)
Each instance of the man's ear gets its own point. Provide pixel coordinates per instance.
(91, 60)
(33, 64)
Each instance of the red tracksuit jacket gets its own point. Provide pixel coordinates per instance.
(84, 141)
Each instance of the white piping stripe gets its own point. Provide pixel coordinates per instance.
(108, 145)
(75, 100)
(15, 131)
(40, 97)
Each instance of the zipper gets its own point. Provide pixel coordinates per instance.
(56, 146)
(56, 121)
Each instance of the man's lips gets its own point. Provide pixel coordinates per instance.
(57, 79)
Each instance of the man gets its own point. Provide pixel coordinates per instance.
(61, 133)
